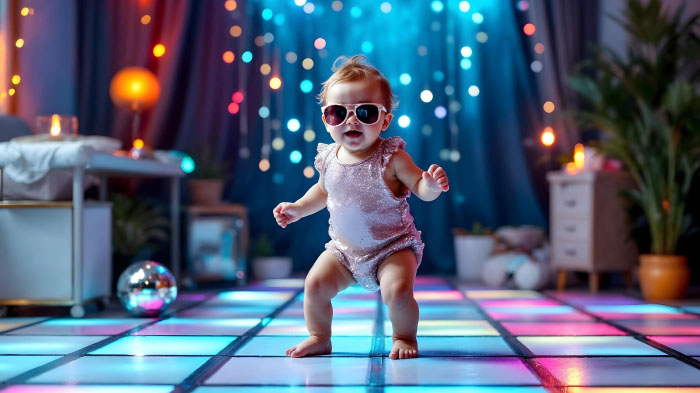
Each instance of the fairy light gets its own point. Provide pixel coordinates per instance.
(158, 50)
(578, 156)
(146, 19)
(228, 57)
(548, 107)
(547, 138)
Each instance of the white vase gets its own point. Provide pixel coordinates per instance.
(471, 251)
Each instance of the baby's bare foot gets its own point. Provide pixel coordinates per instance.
(404, 349)
(314, 345)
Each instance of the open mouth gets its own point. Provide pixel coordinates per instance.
(353, 134)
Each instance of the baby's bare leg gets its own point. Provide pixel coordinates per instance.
(396, 276)
(326, 278)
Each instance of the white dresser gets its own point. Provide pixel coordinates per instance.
(589, 231)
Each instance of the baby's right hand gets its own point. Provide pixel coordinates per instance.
(286, 213)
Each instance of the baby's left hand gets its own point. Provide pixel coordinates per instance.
(436, 178)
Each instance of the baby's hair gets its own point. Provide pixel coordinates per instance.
(353, 69)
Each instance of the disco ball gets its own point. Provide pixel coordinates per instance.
(146, 289)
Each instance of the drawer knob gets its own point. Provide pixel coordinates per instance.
(570, 252)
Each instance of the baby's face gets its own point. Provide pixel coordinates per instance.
(352, 134)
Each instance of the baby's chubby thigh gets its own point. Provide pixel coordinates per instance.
(327, 277)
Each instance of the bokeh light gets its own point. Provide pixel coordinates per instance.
(19, 43)
(477, 18)
(309, 135)
(464, 6)
(385, 7)
(291, 57)
(306, 86)
(237, 97)
(247, 56)
(158, 50)
(228, 57)
(16, 79)
(548, 107)
(405, 79)
(482, 37)
(275, 83)
(230, 5)
(356, 12)
(523, 5)
(309, 172)
(295, 157)
(233, 108)
(466, 51)
(547, 138)
(309, 8)
(293, 125)
(265, 69)
(437, 6)
(426, 95)
(536, 66)
(187, 164)
(539, 48)
(307, 64)
(264, 165)
(146, 19)
(235, 31)
(404, 121)
(319, 43)
(278, 143)
(440, 112)
(367, 46)
(337, 5)
(473, 90)
(465, 64)
(266, 14)
(264, 112)
(529, 29)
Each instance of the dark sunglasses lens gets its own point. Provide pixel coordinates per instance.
(335, 114)
(368, 114)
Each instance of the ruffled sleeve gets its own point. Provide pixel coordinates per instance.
(321, 160)
(391, 146)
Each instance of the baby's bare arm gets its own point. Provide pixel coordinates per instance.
(427, 185)
(314, 200)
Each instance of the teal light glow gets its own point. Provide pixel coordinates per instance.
(466, 51)
(367, 46)
(293, 125)
(465, 64)
(438, 76)
(255, 296)
(264, 112)
(165, 345)
(464, 6)
(356, 12)
(187, 164)
(404, 121)
(278, 178)
(247, 56)
(477, 17)
(295, 156)
(279, 19)
(267, 14)
(405, 79)
(306, 86)
(437, 6)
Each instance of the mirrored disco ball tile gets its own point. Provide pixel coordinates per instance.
(8, 323)
(586, 298)
(11, 366)
(458, 371)
(45, 345)
(588, 346)
(276, 345)
(449, 328)
(292, 371)
(123, 370)
(87, 389)
(282, 389)
(639, 311)
(663, 327)
(561, 329)
(85, 326)
(227, 312)
(517, 302)
(199, 327)
(503, 294)
(544, 313)
(297, 327)
(464, 389)
(165, 345)
(621, 371)
(688, 345)
(457, 346)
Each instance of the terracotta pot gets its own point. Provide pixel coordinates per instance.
(205, 191)
(663, 277)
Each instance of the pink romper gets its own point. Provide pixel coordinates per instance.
(367, 222)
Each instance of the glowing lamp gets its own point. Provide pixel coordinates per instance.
(578, 156)
(547, 136)
(134, 89)
(57, 127)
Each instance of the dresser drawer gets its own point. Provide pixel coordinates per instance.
(571, 228)
(571, 255)
(571, 199)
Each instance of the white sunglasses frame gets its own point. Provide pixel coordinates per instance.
(352, 108)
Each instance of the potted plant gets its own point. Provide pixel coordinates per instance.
(206, 181)
(472, 248)
(647, 103)
(265, 263)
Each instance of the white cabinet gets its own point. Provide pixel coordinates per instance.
(589, 231)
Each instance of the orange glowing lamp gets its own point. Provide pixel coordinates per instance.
(55, 129)
(547, 138)
(578, 156)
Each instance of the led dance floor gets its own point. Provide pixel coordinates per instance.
(470, 340)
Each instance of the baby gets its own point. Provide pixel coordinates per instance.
(364, 182)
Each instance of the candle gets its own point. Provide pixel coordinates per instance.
(55, 130)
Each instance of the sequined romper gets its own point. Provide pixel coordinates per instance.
(367, 222)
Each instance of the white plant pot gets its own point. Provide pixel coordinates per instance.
(272, 267)
(471, 251)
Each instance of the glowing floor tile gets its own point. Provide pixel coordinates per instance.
(663, 327)
(15, 322)
(458, 346)
(297, 327)
(502, 294)
(199, 327)
(85, 326)
(437, 296)
(87, 389)
(544, 313)
(622, 371)
(165, 345)
(338, 313)
(276, 345)
(123, 369)
(45, 345)
(11, 366)
(227, 312)
(427, 280)
(282, 389)
(586, 298)
(588, 346)
(561, 329)
(631, 390)
(279, 283)
(458, 371)
(639, 311)
(463, 389)
(693, 309)
(449, 328)
(686, 345)
(517, 302)
(251, 298)
(292, 371)
(445, 312)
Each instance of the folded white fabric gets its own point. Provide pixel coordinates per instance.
(27, 161)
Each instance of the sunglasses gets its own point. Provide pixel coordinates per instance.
(367, 113)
